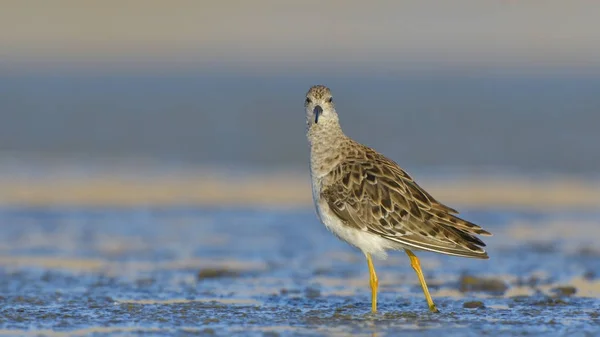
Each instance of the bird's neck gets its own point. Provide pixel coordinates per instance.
(325, 144)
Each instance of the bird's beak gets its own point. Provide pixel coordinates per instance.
(317, 111)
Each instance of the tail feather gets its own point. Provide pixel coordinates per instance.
(454, 221)
(470, 250)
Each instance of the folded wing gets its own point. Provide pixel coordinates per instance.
(372, 193)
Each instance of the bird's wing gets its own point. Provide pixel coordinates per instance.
(373, 194)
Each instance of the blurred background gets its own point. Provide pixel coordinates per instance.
(186, 90)
(154, 166)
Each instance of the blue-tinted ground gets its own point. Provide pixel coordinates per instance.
(165, 271)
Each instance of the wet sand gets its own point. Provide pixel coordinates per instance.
(227, 270)
(287, 190)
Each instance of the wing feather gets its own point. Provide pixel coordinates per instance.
(372, 193)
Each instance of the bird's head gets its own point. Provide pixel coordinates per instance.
(320, 111)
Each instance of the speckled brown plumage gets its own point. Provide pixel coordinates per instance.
(372, 193)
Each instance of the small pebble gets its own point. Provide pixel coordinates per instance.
(564, 291)
(550, 302)
(312, 293)
(472, 283)
(216, 273)
(473, 305)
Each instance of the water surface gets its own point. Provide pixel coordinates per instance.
(240, 271)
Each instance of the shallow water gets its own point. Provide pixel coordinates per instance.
(220, 271)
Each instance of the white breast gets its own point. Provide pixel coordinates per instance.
(365, 241)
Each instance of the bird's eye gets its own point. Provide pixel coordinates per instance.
(330, 100)
(308, 101)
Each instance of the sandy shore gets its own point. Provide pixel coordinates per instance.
(285, 190)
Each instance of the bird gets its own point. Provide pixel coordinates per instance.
(368, 201)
